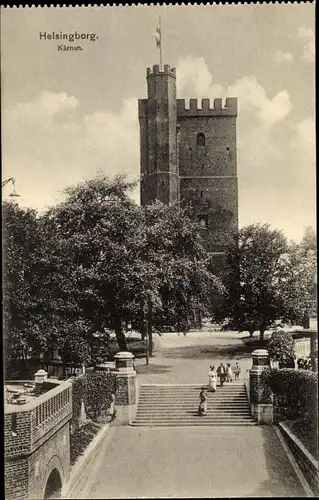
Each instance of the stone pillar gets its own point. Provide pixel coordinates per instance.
(261, 400)
(126, 389)
(39, 378)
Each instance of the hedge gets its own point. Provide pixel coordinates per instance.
(81, 438)
(295, 393)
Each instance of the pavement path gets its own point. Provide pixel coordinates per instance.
(186, 360)
(192, 462)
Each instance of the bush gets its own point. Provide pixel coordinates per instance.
(295, 390)
(81, 438)
(281, 347)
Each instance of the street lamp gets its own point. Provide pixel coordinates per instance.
(14, 194)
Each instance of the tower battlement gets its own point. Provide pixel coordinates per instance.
(229, 109)
(156, 70)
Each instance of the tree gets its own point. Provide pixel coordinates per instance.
(281, 347)
(98, 261)
(95, 237)
(266, 280)
(307, 252)
(24, 336)
(309, 240)
(179, 267)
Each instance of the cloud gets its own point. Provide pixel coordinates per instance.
(307, 35)
(275, 154)
(196, 83)
(283, 57)
(194, 75)
(49, 143)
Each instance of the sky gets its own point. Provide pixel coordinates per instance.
(69, 116)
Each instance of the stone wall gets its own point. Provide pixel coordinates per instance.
(37, 440)
(306, 462)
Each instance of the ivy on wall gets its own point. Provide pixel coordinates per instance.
(95, 390)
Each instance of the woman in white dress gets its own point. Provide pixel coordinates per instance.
(229, 373)
(212, 379)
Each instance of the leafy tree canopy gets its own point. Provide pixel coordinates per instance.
(267, 280)
(96, 262)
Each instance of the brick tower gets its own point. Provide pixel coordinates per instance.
(158, 125)
(188, 156)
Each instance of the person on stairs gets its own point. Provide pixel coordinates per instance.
(221, 372)
(212, 379)
(237, 371)
(229, 373)
(202, 409)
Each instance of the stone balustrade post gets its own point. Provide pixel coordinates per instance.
(126, 388)
(261, 399)
(39, 378)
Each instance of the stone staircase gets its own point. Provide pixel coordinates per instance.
(176, 405)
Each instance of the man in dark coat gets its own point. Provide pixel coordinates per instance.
(221, 372)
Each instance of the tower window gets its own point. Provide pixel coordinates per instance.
(201, 194)
(200, 140)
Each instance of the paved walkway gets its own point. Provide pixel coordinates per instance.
(191, 462)
(186, 360)
(184, 463)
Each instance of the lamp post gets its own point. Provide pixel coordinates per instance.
(14, 194)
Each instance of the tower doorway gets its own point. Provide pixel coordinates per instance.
(54, 486)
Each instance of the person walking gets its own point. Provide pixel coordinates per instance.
(229, 373)
(202, 409)
(221, 372)
(212, 379)
(308, 364)
(237, 371)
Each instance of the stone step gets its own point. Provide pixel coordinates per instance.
(175, 403)
(190, 413)
(230, 386)
(190, 396)
(190, 408)
(202, 423)
(193, 414)
(193, 422)
(191, 401)
(191, 388)
(230, 394)
(226, 386)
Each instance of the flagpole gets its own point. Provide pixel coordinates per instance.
(160, 47)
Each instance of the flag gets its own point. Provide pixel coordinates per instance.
(158, 36)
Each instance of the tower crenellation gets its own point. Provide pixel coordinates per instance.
(168, 70)
(203, 109)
